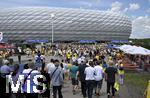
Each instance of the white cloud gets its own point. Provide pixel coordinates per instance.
(134, 6)
(148, 10)
(88, 3)
(116, 6)
(84, 3)
(141, 27)
(126, 9)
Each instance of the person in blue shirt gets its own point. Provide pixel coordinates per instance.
(73, 73)
(104, 65)
(38, 60)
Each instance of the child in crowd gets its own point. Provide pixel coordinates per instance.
(121, 73)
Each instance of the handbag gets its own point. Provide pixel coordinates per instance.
(23, 85)
(53, 73)
(116, 86)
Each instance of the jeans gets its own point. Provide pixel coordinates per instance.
(90, 86)
(110, 85)
(83, 88)
(55, 89)
(17, 95)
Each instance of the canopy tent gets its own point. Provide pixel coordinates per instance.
(134, 50)
(138, 50)
(125, 47)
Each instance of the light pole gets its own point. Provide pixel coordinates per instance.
(52, 16)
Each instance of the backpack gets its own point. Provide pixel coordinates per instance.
(38, 59)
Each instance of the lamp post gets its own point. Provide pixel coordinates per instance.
(52, 16)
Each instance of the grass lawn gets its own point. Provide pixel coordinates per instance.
(137, 82)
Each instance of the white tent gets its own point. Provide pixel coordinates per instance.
(134, 50)
(125, 47)
(131, 48)
(138, 50)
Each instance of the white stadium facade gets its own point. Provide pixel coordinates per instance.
(35, 23)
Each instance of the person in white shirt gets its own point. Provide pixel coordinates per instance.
(50, 66)
(43, 57)
(79, 60)
(98, 78)
(74, 59)
(29, 75)
(82, 58)
(89, 72)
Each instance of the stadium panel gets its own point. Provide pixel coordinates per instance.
(35, 23)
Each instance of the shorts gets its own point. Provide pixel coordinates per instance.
(121, 76)
(98, 84)
(74, 81)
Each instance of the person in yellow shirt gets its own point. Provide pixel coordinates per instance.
(110, 58)
(121, 73)
(68, 56)
(33, 53)
(97, 57)
(75, 55)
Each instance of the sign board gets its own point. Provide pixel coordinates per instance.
(37, 41)
(119, 41)
(87, 41)
(1, 36)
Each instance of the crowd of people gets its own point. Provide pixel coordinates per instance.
(88, 65)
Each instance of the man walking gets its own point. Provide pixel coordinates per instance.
(81, 70)
(110, 76)
(57, 80)
(98, 78)
(4, 71)
(19, 55)
(73, 73)
(89, 72)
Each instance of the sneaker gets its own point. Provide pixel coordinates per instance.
(113, 96)
(73, 91)
(108, 95)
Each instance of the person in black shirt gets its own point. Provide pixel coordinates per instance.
(110, 76)
(82, 78)
(46, 81)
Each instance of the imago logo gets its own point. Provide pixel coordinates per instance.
(30, 84)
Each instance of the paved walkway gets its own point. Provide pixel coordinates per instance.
(67, 90)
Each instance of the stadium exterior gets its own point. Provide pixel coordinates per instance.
(35, 23)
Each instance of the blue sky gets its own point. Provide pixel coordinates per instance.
(137, 10)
